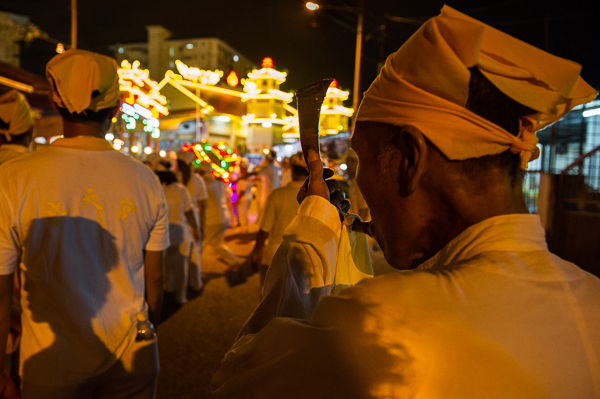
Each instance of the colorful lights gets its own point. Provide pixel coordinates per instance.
(130, 121)
(147, 150)
(232, 79)
(141, 98)
(140, 88)
(286, 121)
(267, 72)
(219, 157)
(196, 74)
(312, 6)
(118, 144)
(162, 153)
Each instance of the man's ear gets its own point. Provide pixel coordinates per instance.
(413, 147)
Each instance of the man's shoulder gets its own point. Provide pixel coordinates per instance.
(20, 163)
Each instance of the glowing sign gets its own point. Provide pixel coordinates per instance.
(232, 79)
(128, 109)
(196, 74)
(219, 157)
(130, 121)
(267, 62)
(145, 112)
(139, 88)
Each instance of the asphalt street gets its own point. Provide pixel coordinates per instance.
(193, 338)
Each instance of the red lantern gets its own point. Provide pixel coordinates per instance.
(232, 79)
(267, 62)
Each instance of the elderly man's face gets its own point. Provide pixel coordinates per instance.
(394, 216)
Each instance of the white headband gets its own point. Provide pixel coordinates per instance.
(425, 84)
(81, 80)
(15, 114)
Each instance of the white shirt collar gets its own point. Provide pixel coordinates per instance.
(505, 233)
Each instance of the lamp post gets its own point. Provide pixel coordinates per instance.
(358, 10)
(73, 24)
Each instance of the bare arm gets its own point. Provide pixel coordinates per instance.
(154, 283)
(191, 219)
(259, 247)
(202, 212)
(8, 389)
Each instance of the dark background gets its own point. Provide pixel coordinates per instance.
(309, 46)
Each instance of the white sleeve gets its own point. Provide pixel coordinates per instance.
(302, 269)
(281, 352)
(186, 198)
(202, 193)
(159, 236)
(9, 241)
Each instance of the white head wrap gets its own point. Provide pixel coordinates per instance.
(15, 114)
(298, 160)
(155, 161)
(81, 80)
(425, 84)
(186, 156)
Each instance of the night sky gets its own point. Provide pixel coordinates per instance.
(309, 46)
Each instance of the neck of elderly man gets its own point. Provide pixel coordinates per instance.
(420, 200)
(94, 124)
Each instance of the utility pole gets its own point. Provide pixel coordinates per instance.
(73, 24)
(358, 56)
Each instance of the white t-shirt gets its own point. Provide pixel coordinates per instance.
(492, 315)
(269, 180)
(179, 202)
(79, 216)
(10, 151)
(197, 188)
(279, 210)
(216, 207)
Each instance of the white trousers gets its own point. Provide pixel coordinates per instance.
(195, 266)
(215, 241)
(176, 270)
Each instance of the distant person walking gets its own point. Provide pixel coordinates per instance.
(16, 125)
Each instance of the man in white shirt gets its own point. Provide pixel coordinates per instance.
(269, 177)
(444, 134)
(16, 125)
(199, 194)
(88, 226)
(279, 210)
(217, 219)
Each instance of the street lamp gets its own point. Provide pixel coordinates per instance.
(358, 52)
